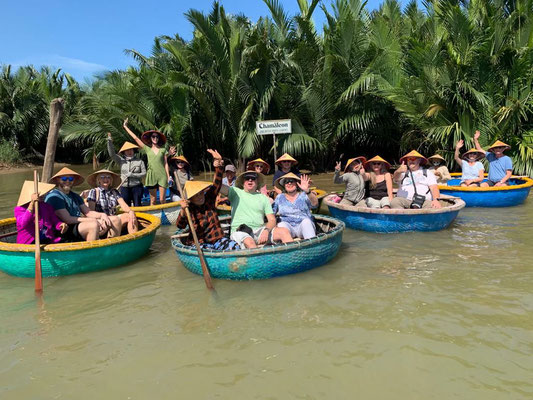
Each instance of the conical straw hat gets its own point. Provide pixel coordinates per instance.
(288, 175)
(250, 165)
(498, 143)
(286, 157)
(92, 179)
(377, 159)
(416, 154)
(128, 146)
(78, 179)
(479, 154)
(438, 157)
(351, 160)
(180, 158)
(194, 187)
(28, 189)
(239, 182)
(145, 137)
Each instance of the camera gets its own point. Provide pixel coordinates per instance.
(418, 201)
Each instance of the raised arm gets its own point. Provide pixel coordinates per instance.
(399, 172)
(456, 155)
(218, 163)
(304, 186)
(133, 135)
(337, 178)
(111, 149)
(476, 141)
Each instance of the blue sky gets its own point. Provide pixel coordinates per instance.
(87, 37)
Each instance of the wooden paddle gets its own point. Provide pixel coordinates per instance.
(38, 271)
(205, 270)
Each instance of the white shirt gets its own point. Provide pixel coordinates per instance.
(407, 189)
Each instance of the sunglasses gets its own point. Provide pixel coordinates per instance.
(411, 159)
(250, 178)
(105, 176)
(289, 182)
(155, 136)
(259, 166)
(67, 178)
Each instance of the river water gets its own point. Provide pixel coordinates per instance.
(403, 316)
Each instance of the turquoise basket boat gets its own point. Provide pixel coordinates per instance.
(267, 262)
(505, 196)
(396, 220)
(74, 258)
(167, 213)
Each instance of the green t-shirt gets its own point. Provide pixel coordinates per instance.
(248, 208)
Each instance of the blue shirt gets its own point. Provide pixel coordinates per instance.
(471, 171)
(292, 213)
(59, 200)
(498, 167)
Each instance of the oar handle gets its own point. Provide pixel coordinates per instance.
(205, 270)
(38, 271)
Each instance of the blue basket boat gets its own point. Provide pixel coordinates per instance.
(396, 220)
(267, 262)
(504, 196)
(74, 258)
(167, 212)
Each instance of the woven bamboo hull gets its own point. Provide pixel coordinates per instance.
(167, 213)
(395, 221)
(267, 262)
(506, 196)
(75, 258)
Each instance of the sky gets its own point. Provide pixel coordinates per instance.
(84, 38)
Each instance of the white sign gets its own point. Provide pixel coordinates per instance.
(273, 127)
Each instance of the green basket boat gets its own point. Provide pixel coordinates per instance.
(74, 258)
(266, 262)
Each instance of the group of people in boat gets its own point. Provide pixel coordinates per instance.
(65, 216)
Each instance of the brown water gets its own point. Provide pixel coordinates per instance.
(408, 316)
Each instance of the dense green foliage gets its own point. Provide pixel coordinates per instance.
(366, 83)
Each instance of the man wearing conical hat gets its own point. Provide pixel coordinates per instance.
(417, 187)
(132, 171)
(202, 207)
(83, 224)
(500, 165)
(50, 227)
(286, 163)
(473, 170)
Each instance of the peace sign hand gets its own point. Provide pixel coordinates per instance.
(338, 166)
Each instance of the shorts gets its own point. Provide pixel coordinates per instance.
(239, 236)
(73, 234)
(492, 183)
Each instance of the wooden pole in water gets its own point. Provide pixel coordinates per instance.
(38, 272)
(56, 112)
(205, 270)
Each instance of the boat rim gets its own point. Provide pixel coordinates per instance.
(156, 207)
(338, 228)
(154, 221)
(528, 183)
(458, 205)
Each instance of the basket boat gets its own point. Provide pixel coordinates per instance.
(223, 209)
(505, 196)
(267, 262)
(74, 258)
(396, 220)
(167, 212)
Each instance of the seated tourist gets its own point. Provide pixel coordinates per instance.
(473, 170)
(180, 165)
(201, 204)
(379, 182)
(50, 227)
(228, 180)
(286, 163)
(500, 165)
(294, 205)
(105, 198)
(354, 178)
(417, 187)
(437, 165)
(248, 212)
(83, 224)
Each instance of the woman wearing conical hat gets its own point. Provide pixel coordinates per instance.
(181, 166)
(105, 198)
(83, 223)
(379, 182)
(437, 165)
(50, 226)
(286, 163)
(158, 173)
(354, 178)
(500, 165)
(132, 171)
(473, 170)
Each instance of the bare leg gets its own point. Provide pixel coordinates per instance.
(89, 230)
(249, 243)
(127, 221)
(484, 184)
(116, 226)
(282, 234)
(152, 196)
(162, 192)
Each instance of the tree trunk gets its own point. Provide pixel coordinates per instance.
(56, 112)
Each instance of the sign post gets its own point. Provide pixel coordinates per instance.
(273, 127)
